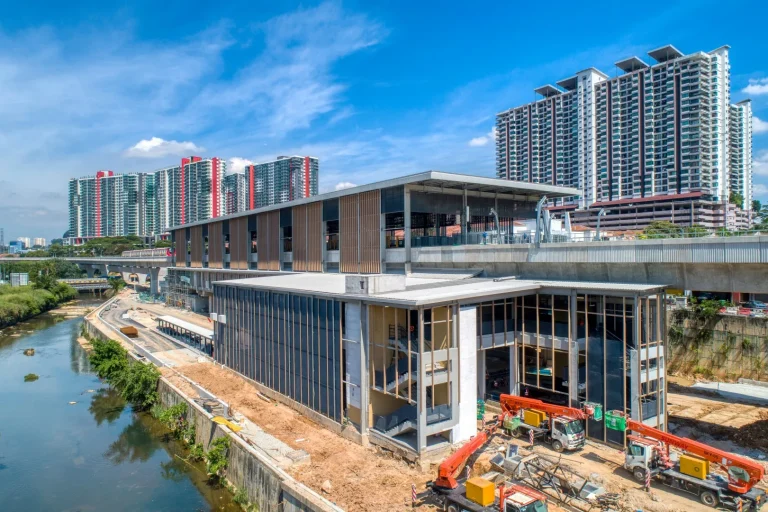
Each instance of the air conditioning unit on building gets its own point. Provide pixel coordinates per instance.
(223, 319)
(214, 317)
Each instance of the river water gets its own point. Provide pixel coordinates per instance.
(94, 455)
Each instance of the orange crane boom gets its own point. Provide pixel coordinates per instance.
(446, 472)
(754, 471)
(511, 404)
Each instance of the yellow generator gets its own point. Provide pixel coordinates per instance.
(694, 466)
(534, 418)
(480, 491)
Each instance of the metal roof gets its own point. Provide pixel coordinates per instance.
(665, 53)
(434, 179)
(548, 91)
(183, 324)
(631, 64)
(417, 292)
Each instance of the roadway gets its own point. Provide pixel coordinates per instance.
(160, 347)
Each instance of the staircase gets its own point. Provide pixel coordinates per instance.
(401, 421)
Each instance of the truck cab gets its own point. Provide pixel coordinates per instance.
(568, 433)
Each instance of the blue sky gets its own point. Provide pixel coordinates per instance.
(375, 90)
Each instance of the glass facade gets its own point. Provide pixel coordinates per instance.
(290, 343)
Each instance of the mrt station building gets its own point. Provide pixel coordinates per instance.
(318, 303)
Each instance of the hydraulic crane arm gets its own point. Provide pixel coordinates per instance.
(743, 474)
(511, 404)
(446, 473)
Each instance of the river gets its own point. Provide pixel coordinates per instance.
(94, 455)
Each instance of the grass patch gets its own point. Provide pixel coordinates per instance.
(23, 302)
(31, 377)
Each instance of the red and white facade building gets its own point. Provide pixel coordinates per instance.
(286, 179)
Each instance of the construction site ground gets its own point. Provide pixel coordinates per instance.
(370, 479)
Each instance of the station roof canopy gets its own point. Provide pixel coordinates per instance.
(433, 289)
(183, 324)
(631, 64)
(665, 53)
(429, 181)
(548, 91)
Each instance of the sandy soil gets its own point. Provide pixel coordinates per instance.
(360, 479)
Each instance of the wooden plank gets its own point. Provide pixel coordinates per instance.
(196, 234)
(299, 233)
(370, 232)
(348, 233)
(215, 245)
(315, 237)
(269, 240)
(239, 241)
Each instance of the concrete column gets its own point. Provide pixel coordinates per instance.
(407, 234)
(421, 443)
(465, 411)
(481, 374)
(154, 281)
(513, 370)
(89, 271)
(573, 357)
(383, 242)
(324, 247)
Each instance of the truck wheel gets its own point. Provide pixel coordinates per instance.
(708, 498)
(515, 432)
(557, 446)
(639, 474)
(453, 508)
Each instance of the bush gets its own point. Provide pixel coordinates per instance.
(136, 381)
(20, 303)
(217, 457)
(138, 384)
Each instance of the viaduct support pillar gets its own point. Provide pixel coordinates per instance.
(154, 281)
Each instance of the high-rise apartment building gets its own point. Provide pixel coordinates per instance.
(85, 205)
(202, 190)
(38, 242)
(653, 143)
(167, 197)
(285, 179)
(26, 242)
(741, 151)
(234, 193)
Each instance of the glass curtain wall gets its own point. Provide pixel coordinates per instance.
(290, 343)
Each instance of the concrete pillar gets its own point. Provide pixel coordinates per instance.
(154, 281)
(573, 356)
(421, 443)
(407, 231)
(481, 374)
(465, 410)
(89, 271)
(513, 370)
(383, 242)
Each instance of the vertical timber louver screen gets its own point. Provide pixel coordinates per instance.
(315, 237)
(299, 232)
(215, 245)
(348, 228)
(370, 232)
(289, 343)
(268, 226)
(239, 242)
(197, 246)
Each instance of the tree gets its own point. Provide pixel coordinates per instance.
(695, 231)
(662, 229)
(736, 199)
(116, 284)
(756, 206)
(45, 277)
(163, 243)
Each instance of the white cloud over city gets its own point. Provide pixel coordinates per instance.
(159, 148)
(756, 87)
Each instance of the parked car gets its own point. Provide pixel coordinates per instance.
(755, 304)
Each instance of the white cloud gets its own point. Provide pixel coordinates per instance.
(237, 164)
(758, 125)
(760, 163)
(159, 148)
(485, 139)
(344, 184)
(756, 87)
(759, 190)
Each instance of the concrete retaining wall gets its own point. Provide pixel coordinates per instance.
(268, 487)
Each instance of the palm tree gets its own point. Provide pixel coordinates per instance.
(116, 284)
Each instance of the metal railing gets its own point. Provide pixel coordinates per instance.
(145, 253)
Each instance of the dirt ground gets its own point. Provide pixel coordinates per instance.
(360, 478)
